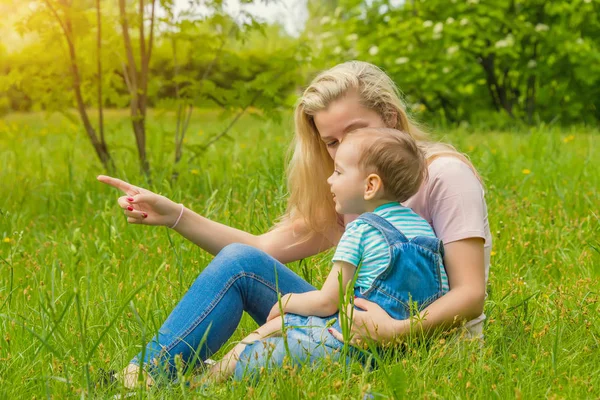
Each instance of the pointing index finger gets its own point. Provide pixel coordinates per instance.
(117, 183)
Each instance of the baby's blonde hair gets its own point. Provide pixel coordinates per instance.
(310, 164)
(395, 157)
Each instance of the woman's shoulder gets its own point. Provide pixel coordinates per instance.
(448, 172)
(448, 165)
(454, 201)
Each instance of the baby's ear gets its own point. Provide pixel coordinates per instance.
(374, 187)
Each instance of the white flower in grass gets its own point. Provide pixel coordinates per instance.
(383, 9)
(352, 37)
(451, 50)
(464, 21)
(579, 41)
(427, 24)
(325, 20)
(401, 60)
(386, 18)
(508, 41)
(438, 28)
(446, 70)
(326, 35)
(472, 1)
(374, 50)
(541, 28)
(337, 50)
(532, 64)
(450, 20)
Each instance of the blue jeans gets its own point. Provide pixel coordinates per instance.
(240, 278)
(307, 342)
(411, 281)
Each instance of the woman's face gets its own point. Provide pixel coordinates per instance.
(342, 116)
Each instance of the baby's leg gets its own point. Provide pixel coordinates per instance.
(130, 375)
(224, 368)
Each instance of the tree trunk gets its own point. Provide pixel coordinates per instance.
(137, 82)
(530, 94)
(447, 106)
(99, 60)
(497, 91)
(98, 144)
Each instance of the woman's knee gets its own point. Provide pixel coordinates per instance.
(241, 257)
(236, 250)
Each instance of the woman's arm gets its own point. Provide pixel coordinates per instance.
(280, 243)
(464, 261)
(144, 207)
(321, 303)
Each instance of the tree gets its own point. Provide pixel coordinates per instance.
(233, 63)
(62, 12)
(527, 59)
(137, 78)
(99, 66)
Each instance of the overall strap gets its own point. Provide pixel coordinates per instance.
(390, 232)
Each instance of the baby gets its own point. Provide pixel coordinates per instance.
(392, 253)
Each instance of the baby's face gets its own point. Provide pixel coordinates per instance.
(348, 183)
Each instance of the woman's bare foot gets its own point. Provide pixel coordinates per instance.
(129, 377)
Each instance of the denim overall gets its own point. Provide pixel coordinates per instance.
(413, 276)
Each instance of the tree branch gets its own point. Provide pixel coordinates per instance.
(132, 68)
(99, 61)
(60, 22)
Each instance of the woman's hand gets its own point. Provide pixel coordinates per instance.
(373, 323)
(142, 206)
(274, 313)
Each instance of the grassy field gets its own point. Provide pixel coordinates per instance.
(81, 290)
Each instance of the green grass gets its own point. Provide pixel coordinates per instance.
(81, 290)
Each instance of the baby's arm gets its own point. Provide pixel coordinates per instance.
(321, 303)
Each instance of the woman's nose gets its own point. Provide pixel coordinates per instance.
(331, 178)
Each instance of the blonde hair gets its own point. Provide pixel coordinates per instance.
(310, 164)
(395, 157)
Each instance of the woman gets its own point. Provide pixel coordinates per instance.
(248, 268)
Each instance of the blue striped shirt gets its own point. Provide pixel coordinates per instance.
(364, 245)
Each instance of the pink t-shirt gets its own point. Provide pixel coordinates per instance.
(452, 201)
